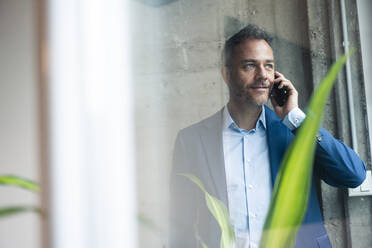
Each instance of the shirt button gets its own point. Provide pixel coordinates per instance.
(319, 138)
(250, 186)
(253, 215)
(253, 245)
(296, 120)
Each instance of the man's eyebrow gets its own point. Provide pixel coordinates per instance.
(243, 61)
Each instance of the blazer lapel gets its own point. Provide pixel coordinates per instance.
(211, 137)
(277, 140)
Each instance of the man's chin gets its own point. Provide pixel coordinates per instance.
(260, 102)
(257, 102)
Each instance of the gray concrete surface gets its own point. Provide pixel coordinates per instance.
(348, 220)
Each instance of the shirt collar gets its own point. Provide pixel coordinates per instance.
(229, 122)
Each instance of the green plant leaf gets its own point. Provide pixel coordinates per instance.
(220, 213)
(7, 211)
(291, 191)
(148, 223)
(20, 182)
(204, 245)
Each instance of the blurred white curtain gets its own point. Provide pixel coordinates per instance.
(92, 168)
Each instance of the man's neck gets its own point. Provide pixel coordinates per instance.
(245, 116)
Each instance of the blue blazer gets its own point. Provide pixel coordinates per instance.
(199, 151)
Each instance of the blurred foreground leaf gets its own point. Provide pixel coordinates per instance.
(220, 212)
(148, 223)
(7, 211)
(291, 191)
(20, 182)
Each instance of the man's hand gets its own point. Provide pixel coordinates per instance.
(292, 101)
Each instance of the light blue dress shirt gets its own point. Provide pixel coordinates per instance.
(248, 175)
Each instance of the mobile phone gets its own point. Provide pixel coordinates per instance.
(280, 95)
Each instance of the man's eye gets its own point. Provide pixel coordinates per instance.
(248, 66)
(270, 66)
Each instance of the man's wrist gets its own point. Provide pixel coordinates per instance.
(294, 118)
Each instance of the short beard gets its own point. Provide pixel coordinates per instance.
(244, 98)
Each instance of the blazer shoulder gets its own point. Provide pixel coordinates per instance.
(213, 121)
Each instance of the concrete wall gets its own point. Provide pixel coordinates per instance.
(348, 219)
(19, 146)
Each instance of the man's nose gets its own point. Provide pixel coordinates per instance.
(261, 73)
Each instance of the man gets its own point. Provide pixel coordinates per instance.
(236, 153)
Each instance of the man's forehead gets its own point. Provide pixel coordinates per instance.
(254, 44)
(253, 50)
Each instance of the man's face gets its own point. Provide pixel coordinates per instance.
(251, 74)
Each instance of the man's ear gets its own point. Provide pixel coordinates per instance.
(225, 74)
